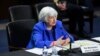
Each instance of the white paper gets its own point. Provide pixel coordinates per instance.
(38, 51)
(85, 43)
(79, 43)
(73, 45)
(35, 51)
(96, 38)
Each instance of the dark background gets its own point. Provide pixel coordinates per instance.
(4, 4)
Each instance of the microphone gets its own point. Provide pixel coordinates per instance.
(66, 52)
(70, 48)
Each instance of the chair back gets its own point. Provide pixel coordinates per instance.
(19, 33)
(39, 6)
(20, 12)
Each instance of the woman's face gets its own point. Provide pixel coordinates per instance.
(51, 21)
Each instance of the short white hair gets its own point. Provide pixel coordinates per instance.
(45, 12)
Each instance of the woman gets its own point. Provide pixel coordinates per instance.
(49, 31)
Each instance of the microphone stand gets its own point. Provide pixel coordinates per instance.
(66, 52)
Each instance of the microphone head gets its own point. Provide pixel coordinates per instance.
(63, 52)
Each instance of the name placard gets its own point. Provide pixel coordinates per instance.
(92, 48)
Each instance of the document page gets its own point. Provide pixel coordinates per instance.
(96, 38)
(80, 43)
(85, 42)
(39, 51)
(35, 51)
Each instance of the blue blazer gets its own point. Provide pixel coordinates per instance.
(40, 37)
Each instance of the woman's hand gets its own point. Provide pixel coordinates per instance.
(58, 42)
(66, 42)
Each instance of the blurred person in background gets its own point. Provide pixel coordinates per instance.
(74, 13)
